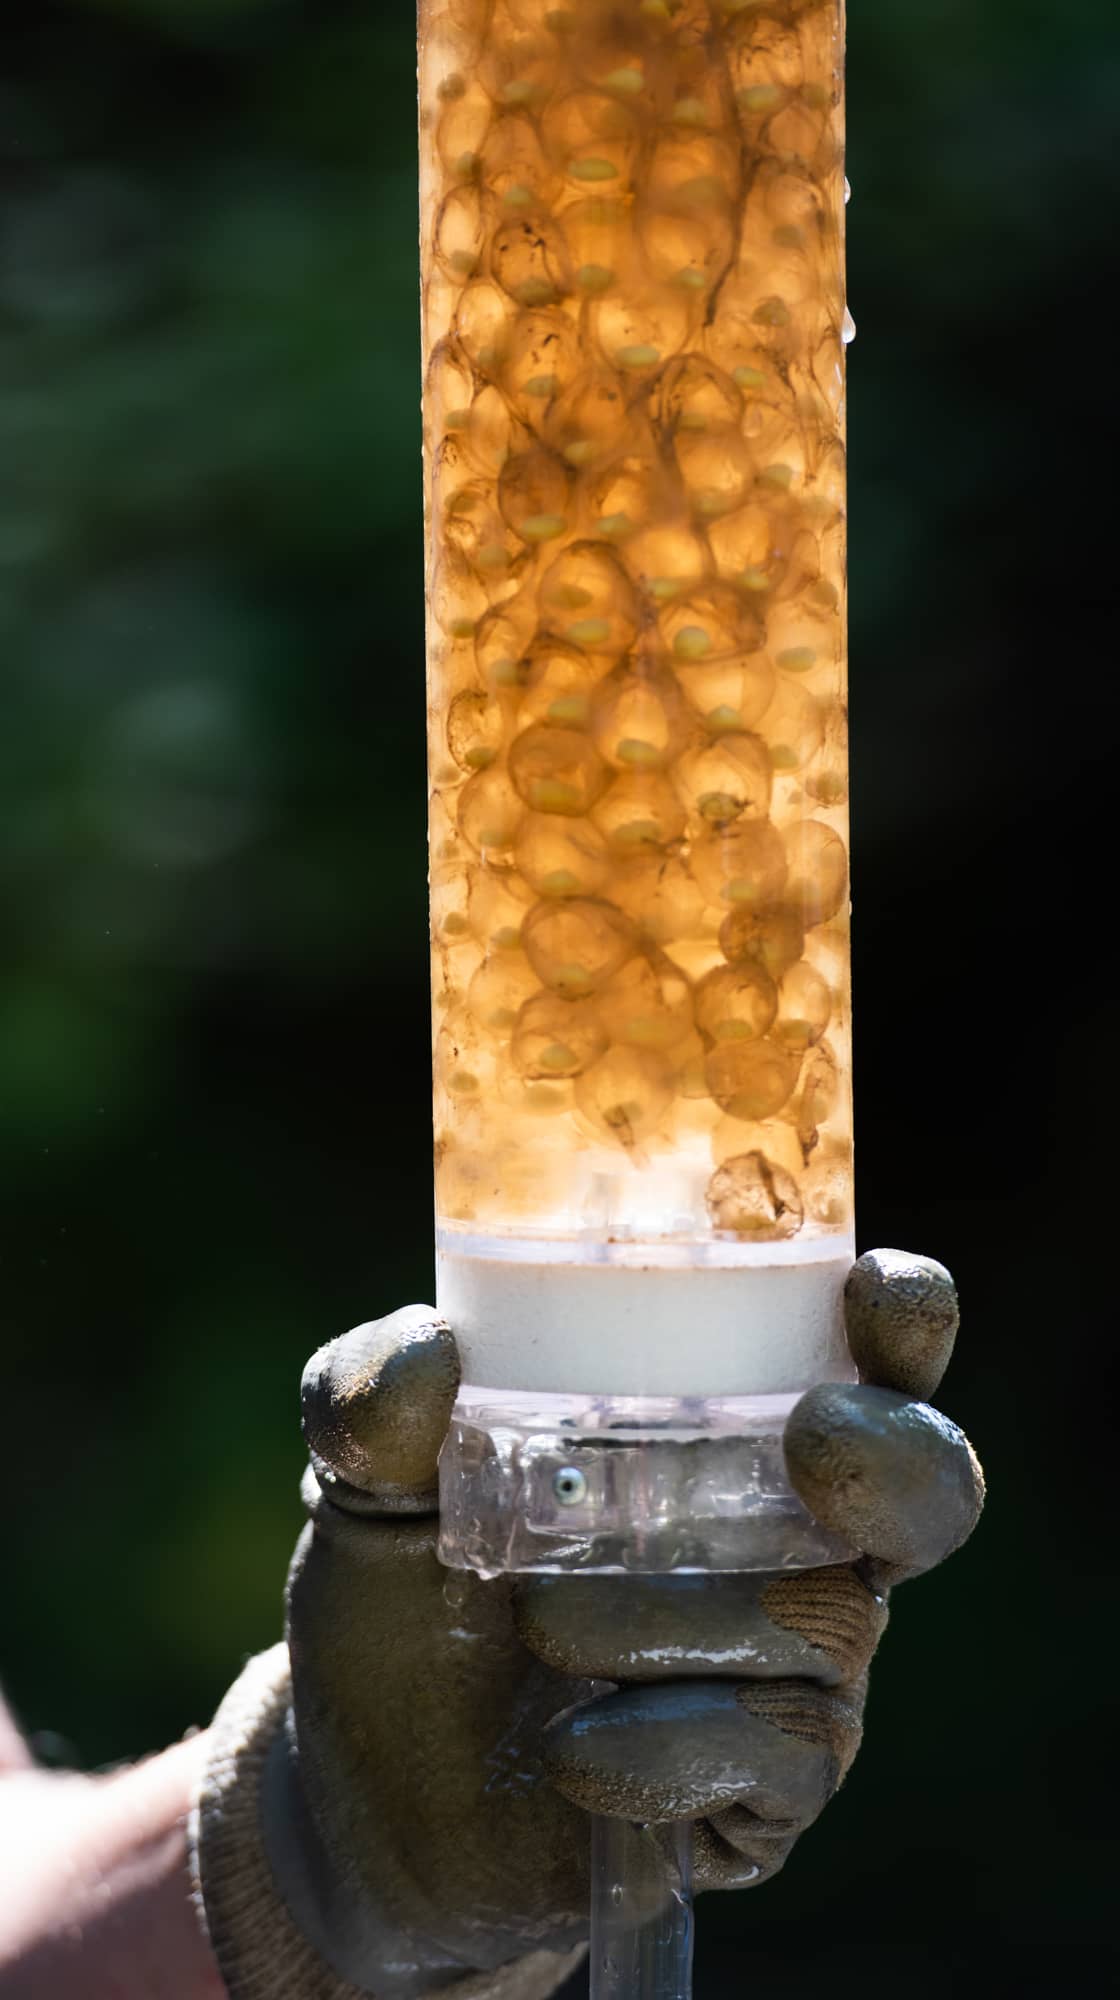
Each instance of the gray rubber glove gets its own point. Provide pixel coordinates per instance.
(397, 1801)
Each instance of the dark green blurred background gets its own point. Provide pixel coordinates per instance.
(213, 1039)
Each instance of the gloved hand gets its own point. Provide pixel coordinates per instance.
(396, 1802)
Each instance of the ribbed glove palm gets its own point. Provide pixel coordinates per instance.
(396, 1800)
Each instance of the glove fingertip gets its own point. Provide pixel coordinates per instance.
(902, 1314)
(892, 1475)
(376, 1403)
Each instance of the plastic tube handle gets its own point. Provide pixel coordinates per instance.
(641, 1911)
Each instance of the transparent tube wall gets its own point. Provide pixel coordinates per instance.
(634, 322)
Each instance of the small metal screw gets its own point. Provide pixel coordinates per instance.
(569, 1485)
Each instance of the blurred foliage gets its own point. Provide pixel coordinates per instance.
(213, 1046)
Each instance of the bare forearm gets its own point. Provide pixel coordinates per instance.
(96, 1902)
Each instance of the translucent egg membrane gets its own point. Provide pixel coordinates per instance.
(632, 241)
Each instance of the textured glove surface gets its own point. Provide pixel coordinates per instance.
(445, 1744)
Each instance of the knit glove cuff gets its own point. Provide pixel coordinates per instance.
(260, 1951)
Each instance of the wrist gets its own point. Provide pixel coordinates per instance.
(97, 1897)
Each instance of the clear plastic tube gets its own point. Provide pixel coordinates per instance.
(641, 1911)
(632, 226)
